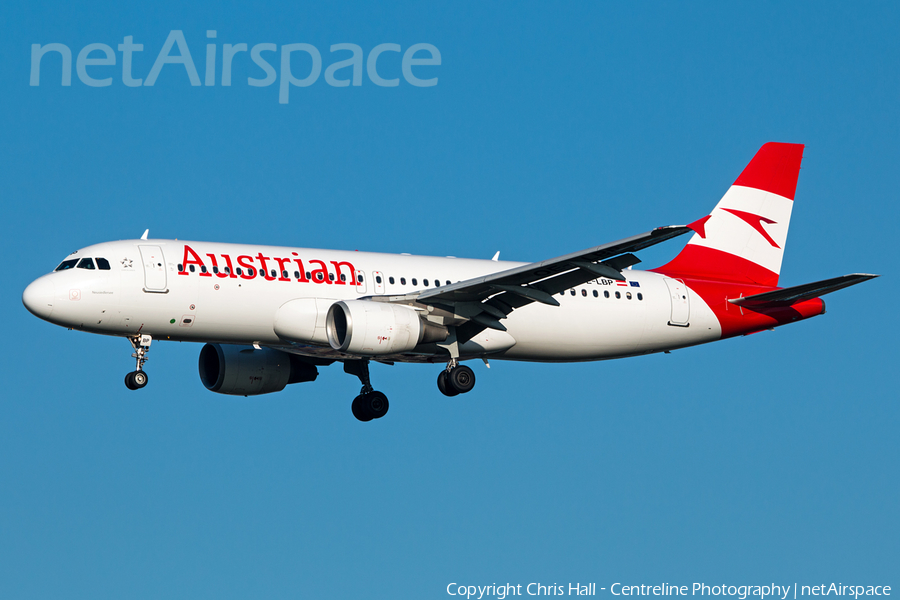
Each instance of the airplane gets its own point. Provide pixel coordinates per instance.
(270, 316)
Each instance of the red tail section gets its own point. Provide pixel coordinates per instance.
(775, 169)
(743, 239)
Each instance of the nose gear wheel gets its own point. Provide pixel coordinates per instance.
(138, 378)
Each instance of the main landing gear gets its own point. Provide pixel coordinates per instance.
(138, 378)
(456, 379)
(369, 404)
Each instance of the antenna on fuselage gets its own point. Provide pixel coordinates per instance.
(496, 256)
(146, 233)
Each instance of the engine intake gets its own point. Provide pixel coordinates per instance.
(377, 328)
(246, 371)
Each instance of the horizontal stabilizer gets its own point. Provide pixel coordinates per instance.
(799, 293)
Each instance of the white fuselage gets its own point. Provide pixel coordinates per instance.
(156, 287)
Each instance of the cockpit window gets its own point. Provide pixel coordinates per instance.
(102, 264)
(86, 263)
(66, 264)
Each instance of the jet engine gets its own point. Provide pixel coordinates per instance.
(376, 328)
(246, 371)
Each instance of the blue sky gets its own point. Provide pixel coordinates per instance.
(770, 458)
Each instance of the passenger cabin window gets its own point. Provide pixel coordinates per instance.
(425, 282)
(391, 280)
(103, 264)
(67, 264)
(403, 281)
(86, 263)
(606, 294)
(378, 279)
(584, 293)
(414, 281)
(202, 268)
(191, 267)
(596, 294)
(180, 266)
(618, 295)
(640, 296)
(359, 277)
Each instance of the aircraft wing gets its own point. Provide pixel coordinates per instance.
(799, 293)
(481, 302)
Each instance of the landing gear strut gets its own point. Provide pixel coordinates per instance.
(369, 404)
(456, 379)
(138, 378)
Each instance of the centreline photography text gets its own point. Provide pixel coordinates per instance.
(741, 591)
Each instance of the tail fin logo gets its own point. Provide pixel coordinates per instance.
(755, 221)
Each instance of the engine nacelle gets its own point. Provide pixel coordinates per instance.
(246, 371)
(302, 320)
(377, 328)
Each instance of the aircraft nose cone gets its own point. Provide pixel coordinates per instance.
(38, 297)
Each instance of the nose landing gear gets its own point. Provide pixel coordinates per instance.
(369, 404)
(456, 379)
(138, 378)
